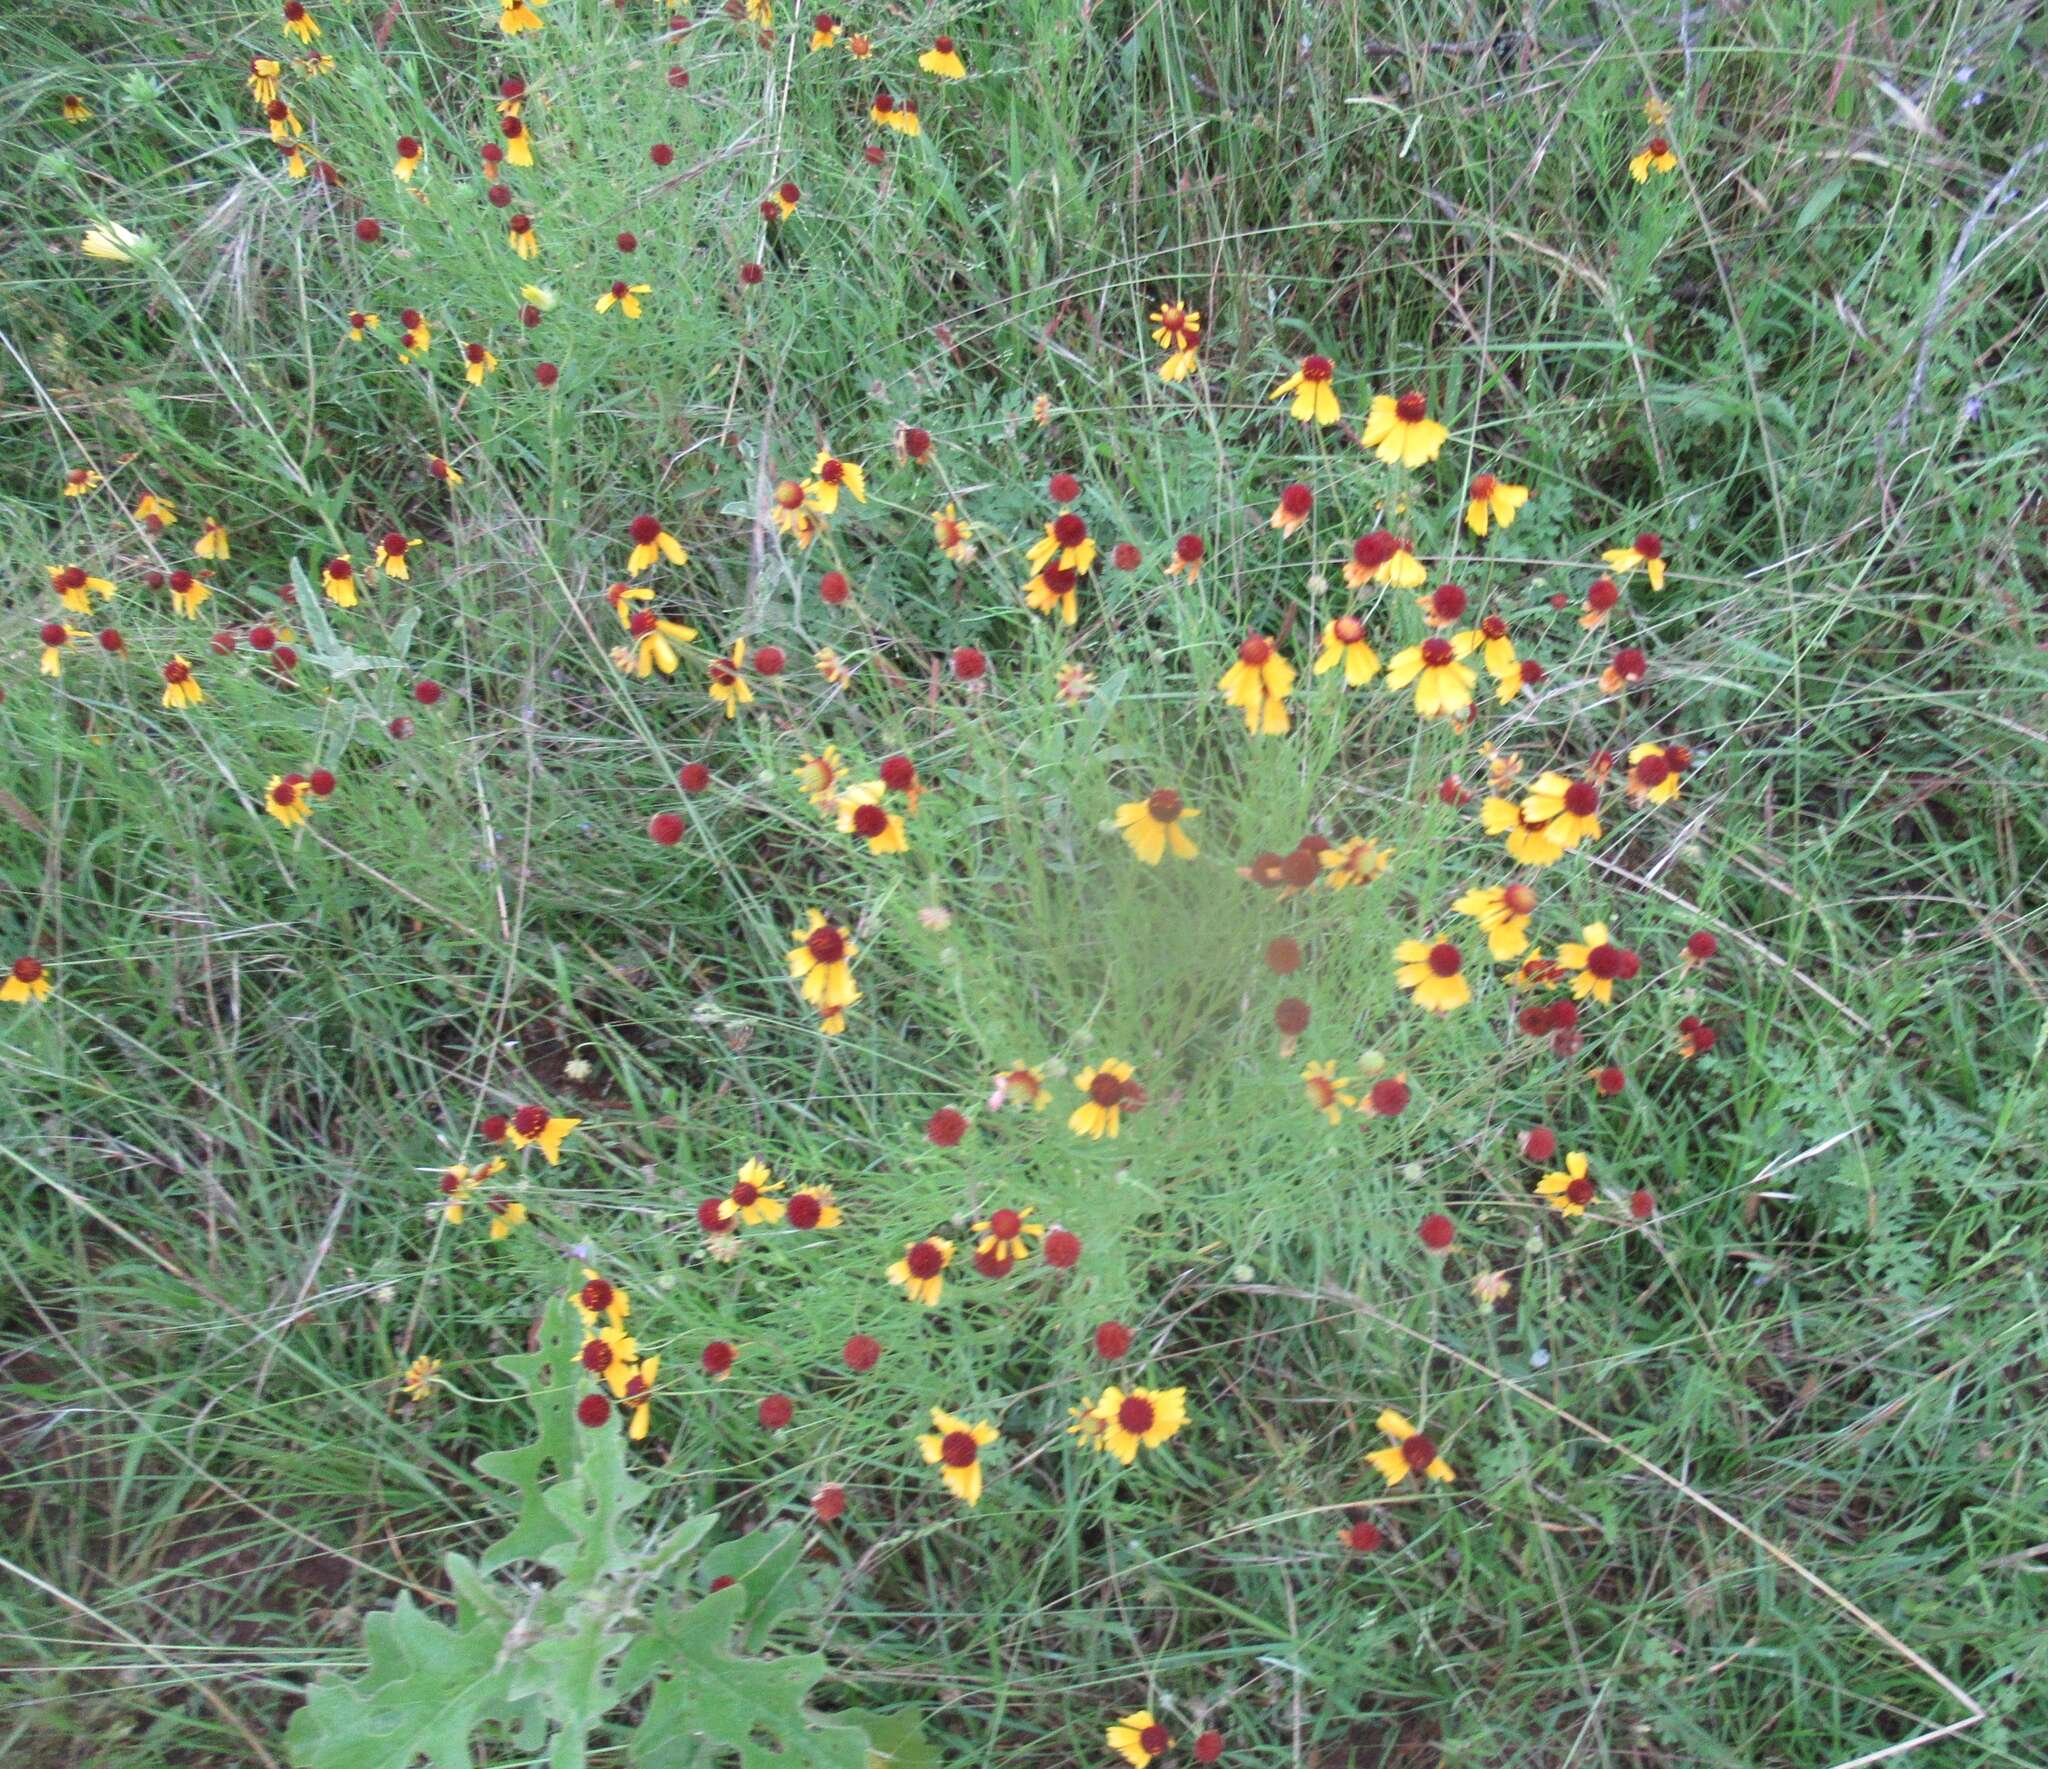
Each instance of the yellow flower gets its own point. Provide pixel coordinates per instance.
(74, 109)
(639, 1395)
(1379, 558)
(392, 556)
(728, 684)
(1530, 840)
(1066, 543)
(520, 15)
(422, 1376)
(829, 475)
(407, 160)
(212, 542)
(1433, 973)
(955, 1447)
(299, 22)
(187, 592)
(523, 237)
(751, 1198)
(477, 363)
(1178, 331)
(1656, 770)
(459, 1184)
(1656, 157)
(1138, 1738)
(1324, 1088)
(1443, 680)
(26, 981)
(1502, 912)
(181, 686)
(81, 482)
(1144, 1417)
(1153, 824)
(113, 242)
(75, 587)
(536, 1127)
(825, 32)
(831, 666)
(1344, 642)
(1656, 112)
(1314, 398)
(1599, 962)
(1259, 683)
(262, 80)
(1008, 1234)
(1568, 809)
(1412, 1453)
(624, 295)
(149, 508)
(822, 961)
(52, 660)
(289, 801)
(654, 642)
(1354, 862)
(338, 581)
(1022, 1085)
(819, 777)
(1106, 1090)
(1402, 432)
(952, 536)
(1569, 1192)
(1493, 502)
(599, 1296)
(943, 60)
(1647, 550)
(803, 1198)
(921, 1272)
(862, 813)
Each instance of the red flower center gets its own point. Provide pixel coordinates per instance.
(597, 1295)
(1582, 798)
(1445, 959)
(1153, 1740)
(54, 634)
(641, 622)
(925, 1260)
(1164, 806)
(1105, 1090)
(408, 149)
(884, 103)
(521, 224)
(1494, 627)
(789, 194)
(530, 1120)
(944, 45)
(340, 568)
(1375, 549)
(899, 773)
(870, 821)
(1188, 549)
(1653, 770)
(1069, 530)
(1447, 601)
(1297, 500)
(1438, 652)
(745, 1193)
(1650, 546)
(1005, 1225)
(1255, 650)
(1411, 408)
(723, 675)
(1659, 146)
(598, 1357)
(1349, 629)
(1137, 1415)
(1580, 1191)
(1518, 899)
(957, 1449)
(833, 472)
(72, 577)
(1483, 487)
(284, 795)
(514, 128)
(28, 970)
(1629, 664)
(1437, 1232)
(176, 673)
(827, 945)
(805, 1211)
(1317, 368)
(1418, 1452)
(1604, 961)
(1058, 579)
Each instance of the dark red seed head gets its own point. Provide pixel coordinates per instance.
(368, 231)
(1411, 408)
(1650, 546)
(493, 1128)
(1291, 1016)
(1112, 1340)
(662, 154)
(1641, 1205)
(530, 1120)
(665, 828)
(546, 373)
(1301, 868)
(1602, 594)
(1630, 664)
(1604, 961)
(594, 1410)
(1436, 1231)
(924, 1260)
(500, 197)
(969, 664)
(1653, 770)
(804, 1210)
(833, 589)
(598, 1356)
(1445, 959)
(1702, 945)
(826, 944)
(1582, 798)
(1062, 1248)
(869, 821)
(321, 782)
(946, 1127)
(1610, 1080)
(55, 633)
(770, 660)
(1153, 1740)
(427, 693)
(776, 1411)
(751, 274)
(1188, 549)
(1438, 652)
(693, 777)
(899, 773)
(1064, 487)
(1297, 500)
(1283, 956)
(917, 443)
(1389, 1097)
(1125, 557)
(1069, 530)
(860, 1353)
(1447, 601)
(828, 1503)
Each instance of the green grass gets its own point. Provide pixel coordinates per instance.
(1804, 1428)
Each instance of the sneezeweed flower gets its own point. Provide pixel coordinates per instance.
(1067, 543)
(1695, 1037)
(1444, 606)
(943, 60)
(858, 46)
(625, 297)
(518, 141)
(478, 362)
(422, 1376)
(1646, 550)
(392, 556)
(299, 22)
(1178, 331)
(75, 587)
(1502, 912)
(1412, 1453)
(1344, 642)
(537, 1127)
(416, 337)
(1529, 838)
(651, 541)
(728, 685)
(752, 1198)
(599, 1297)
(1489, 1287)
(921, 1272)
(811, 1206)
(154, 513)
(440, 469)
(1443, 680)
(459, 1185)
(824, 31)
(1324, 1088)
(283, 121)
(1656, 157)
(952, 536)
(1625, 670)
(1258, 683)
(338, 581)
(1073, 684)
(653, 642)
(822, 961)
(262, 80)
(1655, 771)
(1145, 1417)
(1293, 508)
(73, 109)
(27, 981)
(181, 686)
(407, 161)
(212, 542)
(862, 814)
(1315, 400)
(821, 777)
(1523, 678)
(888, 112)
(1021, 1086)
(1138, 1738)
(1352, 862)
(1153, 824)
(1187, 557)
(1379, 558)
(1433, 973)
(1491, 502)
(954, 1447)
(289, 799)
(1401, 431)
(1052, 591)
(1569, 1192)
(1108, 1092)
(187, 592)
(81, 482)
(831, 667)
(1598, 962)
(114, 243)
(1496, 648)
(1008, 1234)
(522, 236)
(639, 1396)
(1568, 809)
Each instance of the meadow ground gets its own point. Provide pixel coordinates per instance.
(1748, 1469)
